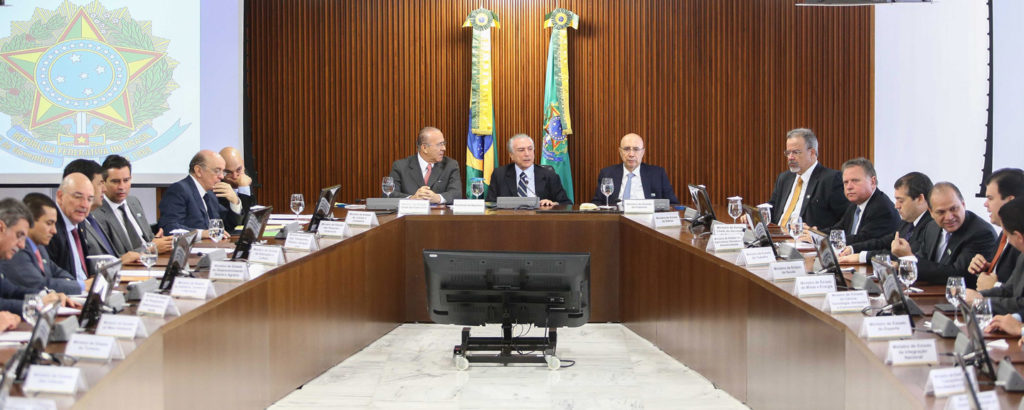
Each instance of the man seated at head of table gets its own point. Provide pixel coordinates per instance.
(15, 221)
(910, 192)
(522, 178)
(31, 266)
(950, 241)
(192, 202)
(1002, 186)
(235, 176)
(808, 189)
(632, 178)
(870, 214)
(96, 240)
(121, 216)
(428, 174)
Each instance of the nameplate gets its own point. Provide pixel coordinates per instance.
(413, 207)
(54, 379)
(726, 242)
(948, 381)
(728, 229)
(301, 241)
(886, 327)
(789, 270)
(93, 347)
(229, 271)
(844, 302)
(331, 229)
(193, 288)
(469, 207)
(25, 403)
(155, 304)
(361, 218)
(988, 400)
(814, 285)
(667, 220)
(122, 326)
(638, 206)
(266, 254)
(912, 352)
(756, 256)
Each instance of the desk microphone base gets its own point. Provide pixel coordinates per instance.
(509, 349)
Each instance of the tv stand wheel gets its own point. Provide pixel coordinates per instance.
(553, 362)
(460, 362)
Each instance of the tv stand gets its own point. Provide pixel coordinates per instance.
(508, 349)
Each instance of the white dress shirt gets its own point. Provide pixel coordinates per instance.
(806, 177)
(80, 274)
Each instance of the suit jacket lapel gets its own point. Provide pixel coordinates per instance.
(107, 212)
(647, 181)
(808, 190)
(510, 180)
(194, 192)
(137, 215)
(414, 167)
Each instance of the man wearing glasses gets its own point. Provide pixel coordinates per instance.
(808, 189)
(236, 179)
(428, 174)
(192, 202)
(632, 178)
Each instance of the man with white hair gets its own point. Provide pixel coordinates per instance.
(522, 178)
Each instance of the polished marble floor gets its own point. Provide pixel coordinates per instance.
(412, 368)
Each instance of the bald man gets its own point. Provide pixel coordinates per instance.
(68, 248)
(236, 179)
(192, 202)
(642, 181)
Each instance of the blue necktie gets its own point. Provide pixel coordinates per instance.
(524, 186)
(856, 221)
(629, 186)
(99, 232)
(942, 245)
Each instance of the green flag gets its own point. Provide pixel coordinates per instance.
(557, 123)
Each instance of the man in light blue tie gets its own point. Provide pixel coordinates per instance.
(632, 178)
(871, 214)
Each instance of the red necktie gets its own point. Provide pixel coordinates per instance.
(81, 253)
(39, 260)
(999, 252)
(426, 177)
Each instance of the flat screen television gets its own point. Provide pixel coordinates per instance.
(103, 283)
(178, 260)
(702, 203)
(475, 287)
(253, 224)
(324, 204)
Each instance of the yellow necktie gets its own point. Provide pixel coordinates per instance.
(792, 201)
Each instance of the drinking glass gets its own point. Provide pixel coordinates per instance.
(30, 308)
(735, 207)
(607, 187)
(796, 227)
(148, 257)
(908, 273)
(477, 186)
(387, 185)
(298, 203)
(954, 290)
(216, 230)
(838, 239)
(766, 213)
(983, 311)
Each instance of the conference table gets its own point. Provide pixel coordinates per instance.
(259, 340)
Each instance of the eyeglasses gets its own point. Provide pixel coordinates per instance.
(217, 171)
(796, 152)
(632, 149)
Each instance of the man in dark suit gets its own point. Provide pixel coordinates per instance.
(951, 240)
(192, 202)
(121, 216)
(236, 178)
(1008, 298)
(428, 174)
(644, 181)
(808, 189)
(31, 267)
(522, 178)
(1002, 186)
(910, 193)
(68, 247)
(871, 213)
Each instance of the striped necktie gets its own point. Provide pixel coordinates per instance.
(524, 186)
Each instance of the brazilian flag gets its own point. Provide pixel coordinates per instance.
(557, 124)
(481, 155)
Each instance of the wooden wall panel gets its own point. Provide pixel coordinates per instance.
(336, 90)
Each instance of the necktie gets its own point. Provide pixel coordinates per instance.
(942, 245)
(856, 221)
(792, 201)
(629, 186)
(81, 252)
(207, 208)
(39, 261)
(999, 252)
(524, 186)
(129, 228)
(426, 177)
(907, 231)
(99, 232)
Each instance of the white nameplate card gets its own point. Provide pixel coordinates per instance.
(301, 241)
(756, 256)
(155, 304)
(413, 207)
(988, 400)
(949, 381)
(193, 288)
(84, 346)
(844, 302)
(728, 229)
(886, 327)
(25, 403)
(469, 207)
(266, 254)
(638, 206)
(121, 326)
(54, 379)
(667, 220)
(229, 270)
(814, 285)
(361, 218)
(331, 229)
(788, 270)
(725, 242)
(912, 352)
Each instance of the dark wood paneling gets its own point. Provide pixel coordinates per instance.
(338, 89)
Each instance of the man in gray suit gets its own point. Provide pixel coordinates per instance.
(1008, 298)
(31, 267)
(121, 216)
(428, 174)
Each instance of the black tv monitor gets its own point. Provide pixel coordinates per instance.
(830, 263)
(760, 229)
(473, 288)
(702, 203)
(253, 225)
(179, 259)
(103, 284)
(323, 207)
(31, 353)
